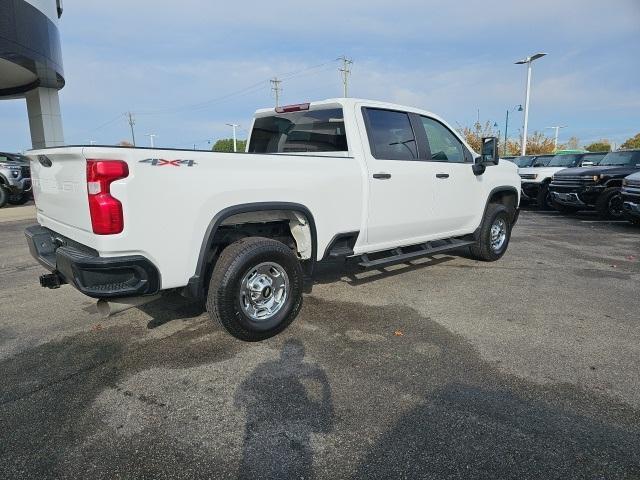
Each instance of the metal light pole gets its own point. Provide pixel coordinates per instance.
(555, 139)
(506, 128)
(151, 137)
(528, 61)
(234, 126)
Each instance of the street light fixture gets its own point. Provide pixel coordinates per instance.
(506, 128)
(527, 61)
(234, 126)
(555, 139)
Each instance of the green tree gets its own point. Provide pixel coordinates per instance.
(633, 142)
(600, 146)
(226, 145)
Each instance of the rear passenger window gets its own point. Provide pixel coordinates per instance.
(390, 135)
(444, 145)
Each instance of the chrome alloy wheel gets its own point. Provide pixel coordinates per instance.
(498, 234)
(264, 290)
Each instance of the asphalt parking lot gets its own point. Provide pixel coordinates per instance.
(445, 368)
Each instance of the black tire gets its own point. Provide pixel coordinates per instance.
(224, 298)
(4, 196)
(19, 198)
(609, 204)
(543, 199)
(565, 208)
(483, 249)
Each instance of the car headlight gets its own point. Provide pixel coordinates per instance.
(15, 173)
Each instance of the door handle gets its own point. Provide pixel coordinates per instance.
(442, 175)
(382, 176)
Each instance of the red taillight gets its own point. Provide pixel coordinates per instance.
(293, 108)
(105, 211)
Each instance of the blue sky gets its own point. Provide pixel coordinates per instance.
(187, 68)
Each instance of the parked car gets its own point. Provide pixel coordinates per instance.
(536, 180)
(597, 187)
(15, 179)
(372, 181)
(631, 198)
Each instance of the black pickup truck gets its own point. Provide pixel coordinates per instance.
(631, 198)
(597, 187)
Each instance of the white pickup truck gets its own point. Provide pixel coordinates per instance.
(373, 182)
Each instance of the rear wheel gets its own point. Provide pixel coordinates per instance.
(495, 233)
(609, 204)
(256, 287)
(4, 196)
(543, 199)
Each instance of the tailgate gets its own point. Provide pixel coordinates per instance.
(59, 179)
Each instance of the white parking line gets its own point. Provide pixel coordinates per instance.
(603, 221)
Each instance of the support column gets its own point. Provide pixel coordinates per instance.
(45, 120)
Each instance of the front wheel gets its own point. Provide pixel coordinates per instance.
(256, 287)
(543, 199)
(19, 198)
(609, 204)
(495, 233)
(4, 196)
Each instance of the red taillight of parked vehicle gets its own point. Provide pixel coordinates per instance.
(106, 211)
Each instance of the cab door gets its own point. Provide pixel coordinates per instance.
(401, 184)
(458, 196)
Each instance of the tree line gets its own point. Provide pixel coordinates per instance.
(537, 142)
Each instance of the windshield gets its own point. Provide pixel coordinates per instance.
(306, 131)
(621, 158)
(523, 162)
(564, 161)
(542, 161)
(595, 158)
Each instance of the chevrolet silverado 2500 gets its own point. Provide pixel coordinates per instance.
(373, 182)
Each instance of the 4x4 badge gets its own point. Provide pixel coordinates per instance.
(160, 162)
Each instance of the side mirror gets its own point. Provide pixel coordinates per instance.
(489, 152)
(488, 156)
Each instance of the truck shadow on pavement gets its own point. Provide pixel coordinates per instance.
(338, 395)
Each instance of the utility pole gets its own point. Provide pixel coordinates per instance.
(151, 137)
(235, 144)
(132, 122)
(277, 89)
(345, 71)
(555, 140)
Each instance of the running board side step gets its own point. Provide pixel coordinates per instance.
(398, 255)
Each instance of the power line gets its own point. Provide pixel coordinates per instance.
(346, 71)
(277, 89)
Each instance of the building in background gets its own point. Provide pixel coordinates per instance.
(31, 64)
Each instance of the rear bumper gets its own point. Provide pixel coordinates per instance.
(95, 276)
